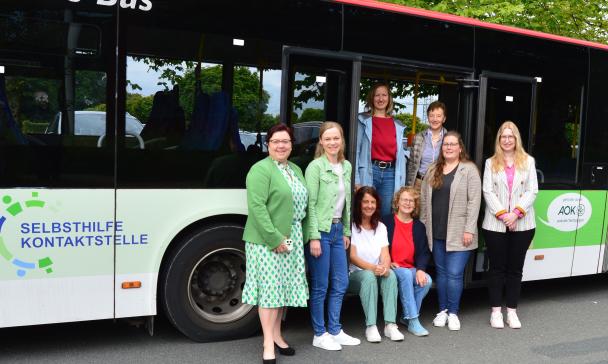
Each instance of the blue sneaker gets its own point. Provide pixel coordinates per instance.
(416, 328)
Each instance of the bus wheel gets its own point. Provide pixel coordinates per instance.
(202, 284)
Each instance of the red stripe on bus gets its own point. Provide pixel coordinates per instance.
(468, 21)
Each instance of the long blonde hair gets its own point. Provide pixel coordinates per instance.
(498, 159)
(322, 129)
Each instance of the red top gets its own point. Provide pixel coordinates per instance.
(384, 139)
(402, 249)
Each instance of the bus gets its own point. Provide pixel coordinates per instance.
(123, 223)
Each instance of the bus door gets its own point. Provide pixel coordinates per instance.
(512, 97)
(318, 86)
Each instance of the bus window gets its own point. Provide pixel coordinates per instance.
(318, 90)
(255, 96)
(595, 152)
(203, 122)
(557, 130)
(413, 91)
(53, 93)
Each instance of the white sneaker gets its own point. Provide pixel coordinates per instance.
(513, 320)
(372, 335)
(453, 322)
(326, 342)
(346, 340)
(441, 318)
(496, 320)
(392, 332)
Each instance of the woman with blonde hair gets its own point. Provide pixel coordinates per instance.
(509, 189)
(380, 154)
(410, 256)
(449, 207)
(328, 180)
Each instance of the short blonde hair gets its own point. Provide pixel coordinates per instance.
(412, 191)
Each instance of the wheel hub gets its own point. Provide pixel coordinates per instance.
(217, 279)
(215, 286)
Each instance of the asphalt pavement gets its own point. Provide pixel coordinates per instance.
(564, 321)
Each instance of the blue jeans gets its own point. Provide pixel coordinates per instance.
(450, 271)
(330, 266)
(384, 183)
(410, 293)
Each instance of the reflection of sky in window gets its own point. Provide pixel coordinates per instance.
(140, 74)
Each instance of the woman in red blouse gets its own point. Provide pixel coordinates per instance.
(410, 256)
(380, 154)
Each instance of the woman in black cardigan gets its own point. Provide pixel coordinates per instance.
(410, 256)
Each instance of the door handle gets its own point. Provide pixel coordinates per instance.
(540, 174)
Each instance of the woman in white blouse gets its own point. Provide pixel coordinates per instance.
(509, 189)
(371, 264)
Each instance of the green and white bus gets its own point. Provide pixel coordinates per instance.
(127, 128)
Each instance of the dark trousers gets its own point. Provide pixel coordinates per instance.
(506, 253)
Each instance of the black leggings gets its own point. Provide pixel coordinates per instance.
(507, 253)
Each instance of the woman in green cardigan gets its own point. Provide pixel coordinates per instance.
(276, 202)
(328, 181)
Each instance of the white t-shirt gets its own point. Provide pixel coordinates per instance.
(369, 244)
(337, 168)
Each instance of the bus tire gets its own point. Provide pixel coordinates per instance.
(202, 283)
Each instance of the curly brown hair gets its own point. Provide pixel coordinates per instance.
(412, 191)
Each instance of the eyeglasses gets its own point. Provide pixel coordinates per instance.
(450, 145)
(279, 141)
(507, 137)
(406, 201)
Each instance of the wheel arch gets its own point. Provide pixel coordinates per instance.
(187, 230)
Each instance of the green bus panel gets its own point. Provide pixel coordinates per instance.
(568, 217)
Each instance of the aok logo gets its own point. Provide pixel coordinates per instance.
(568, 212)
(143, 5)
(12, 210)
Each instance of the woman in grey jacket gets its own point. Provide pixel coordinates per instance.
(450, 199)
(509, 188)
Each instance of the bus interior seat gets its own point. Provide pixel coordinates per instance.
(166, 120)
(9, 130)
(212, 118)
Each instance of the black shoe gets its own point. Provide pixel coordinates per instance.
(288, 351)
(269, 361)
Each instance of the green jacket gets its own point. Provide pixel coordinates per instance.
(322, 185)
(269, 204)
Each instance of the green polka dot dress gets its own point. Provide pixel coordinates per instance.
(279, 279)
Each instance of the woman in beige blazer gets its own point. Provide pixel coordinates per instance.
(450, 199)
(509, 188)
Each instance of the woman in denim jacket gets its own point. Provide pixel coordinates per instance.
(328, 181)
(380, 154)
